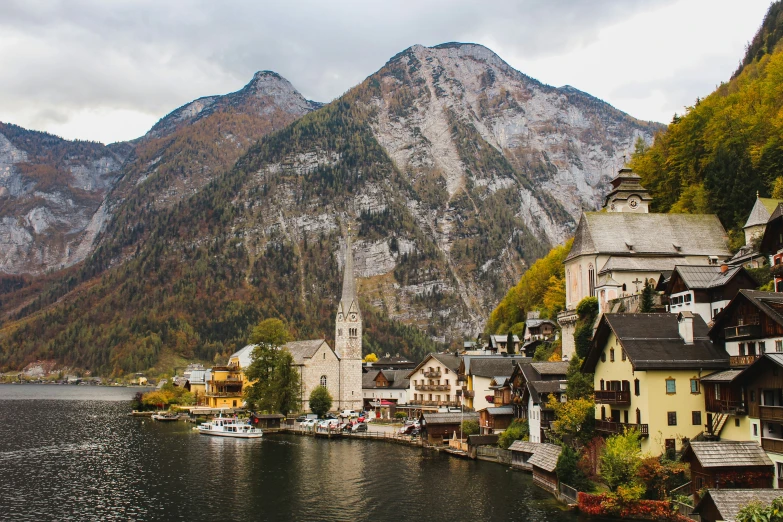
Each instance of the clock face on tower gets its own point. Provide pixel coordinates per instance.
(353, 317)
(633, 202)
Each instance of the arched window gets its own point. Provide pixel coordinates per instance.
(623, 287)
(602, 384)
(611, 354)
(323, 380)
(591, 279)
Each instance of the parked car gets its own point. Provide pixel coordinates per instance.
(301, 418)
(346, 426)
(328, 424)
(359, 427)
(350, 414)
(330, 416)
(409, 427)
(309, 423)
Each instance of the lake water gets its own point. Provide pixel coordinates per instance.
(72, 453)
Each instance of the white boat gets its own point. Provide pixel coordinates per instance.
(163, 417)
(229, 427)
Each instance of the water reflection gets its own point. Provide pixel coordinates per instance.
(87, 460)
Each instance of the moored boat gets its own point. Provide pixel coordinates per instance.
(229, 427)
(165, 417)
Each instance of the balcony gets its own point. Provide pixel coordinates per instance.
(621, 397)
(432, 373)
(726, 406)
(469, 394)
(432, 387)
(747, 331)
(462, 378)
(440, 403)
(742, 360)
(620, 427)
(773, 445)
(224, 394)
(771, 413)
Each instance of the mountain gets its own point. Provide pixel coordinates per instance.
(50, 189)
(452, 170)
(728, 146)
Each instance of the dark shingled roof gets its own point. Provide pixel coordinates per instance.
(551, 368)
(727, 454)
(398, 379)
(301, 350)
(524, 446)
(724, 376)
(493, 365)
(448, 360)
(660, 234)
(705, 276)
(545, 457)
(653, 342)
(729, 502)
(450, 418)
(500, 410)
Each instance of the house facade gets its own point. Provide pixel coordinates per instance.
(647, 376)
(750, 325)
(382, 389)
(480, 371)
(532, 383)
(433, 383)
(707, 289)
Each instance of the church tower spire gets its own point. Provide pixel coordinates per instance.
(348, 336)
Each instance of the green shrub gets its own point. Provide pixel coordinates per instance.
(519, 430)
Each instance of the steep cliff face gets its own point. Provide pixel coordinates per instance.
(453, 171)
(50, 191)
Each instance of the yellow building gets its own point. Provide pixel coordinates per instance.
(648, 370)
(224, 384)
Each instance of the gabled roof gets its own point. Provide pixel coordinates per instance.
(749, 373)
(301, 350)
(502, 338)
(492, 365)
(500, 410)
(536, 386)
(729, 502)
(722, 376)
(769, 303)
(532, 323)
(545, 457)
(640, 264)
(761, 211)
(726, 454)
(449, 360)
(524, 446)
(705, 276)
(653, 342)
(551, 367)
(658, 234)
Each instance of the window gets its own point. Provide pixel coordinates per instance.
(446, 370)
(762, 347)
(638, 416)
(611, 354)
(636, 387)
(717, 391)
(779, 346)
(591, 278)
(742, 348)
(755, 430)
(736, 422)
(602, 384)
(447, 382)
(323, 380)
(324, 354)
(751, 348)
(752, 396)
(694, 385)
(622, 353)
(603, 356)
(696, 418)
(671, 386)
(687, 298)
(672, 418)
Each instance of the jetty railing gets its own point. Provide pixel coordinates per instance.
(568, 494)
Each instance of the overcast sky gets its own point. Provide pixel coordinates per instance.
(108, 70)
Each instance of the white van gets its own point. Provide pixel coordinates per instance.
(349, 414)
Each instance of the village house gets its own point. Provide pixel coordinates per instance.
(498, 344)
(440, 427)
(224, 384)
(750, 325)
(727, 465)
(647, 375)
(383, 390)
(618, 251)
(433, 383)
(495, 419)
(750, 255)
(537, 329)
(726, 407)
(532, 383)
(478, 372)
(706, 289)
(719, 505)
(772, 246)
(761, 385)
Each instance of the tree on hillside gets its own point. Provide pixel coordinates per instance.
(777, 188)
(579, 385)
(510, 342)
(320, 401)
(574, 420)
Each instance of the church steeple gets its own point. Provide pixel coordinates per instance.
(627, 194)
(348, 323)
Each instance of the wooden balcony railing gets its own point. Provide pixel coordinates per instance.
(742, 332)
(432, 374)
(773, 445)
(622, 397)
(771, 413)
(742, 360)
(469, 393)
(432, 387)
(620, 427)
(725, 406)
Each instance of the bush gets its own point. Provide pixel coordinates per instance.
(470, 427)
(568, 470)
(519, 430)
(621, 460)
(400, 415)
(661, 476)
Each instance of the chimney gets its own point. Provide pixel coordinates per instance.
(724, 267)
(685, 323)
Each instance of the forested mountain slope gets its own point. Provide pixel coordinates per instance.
(727, 146)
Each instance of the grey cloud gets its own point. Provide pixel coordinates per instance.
(154, 56)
